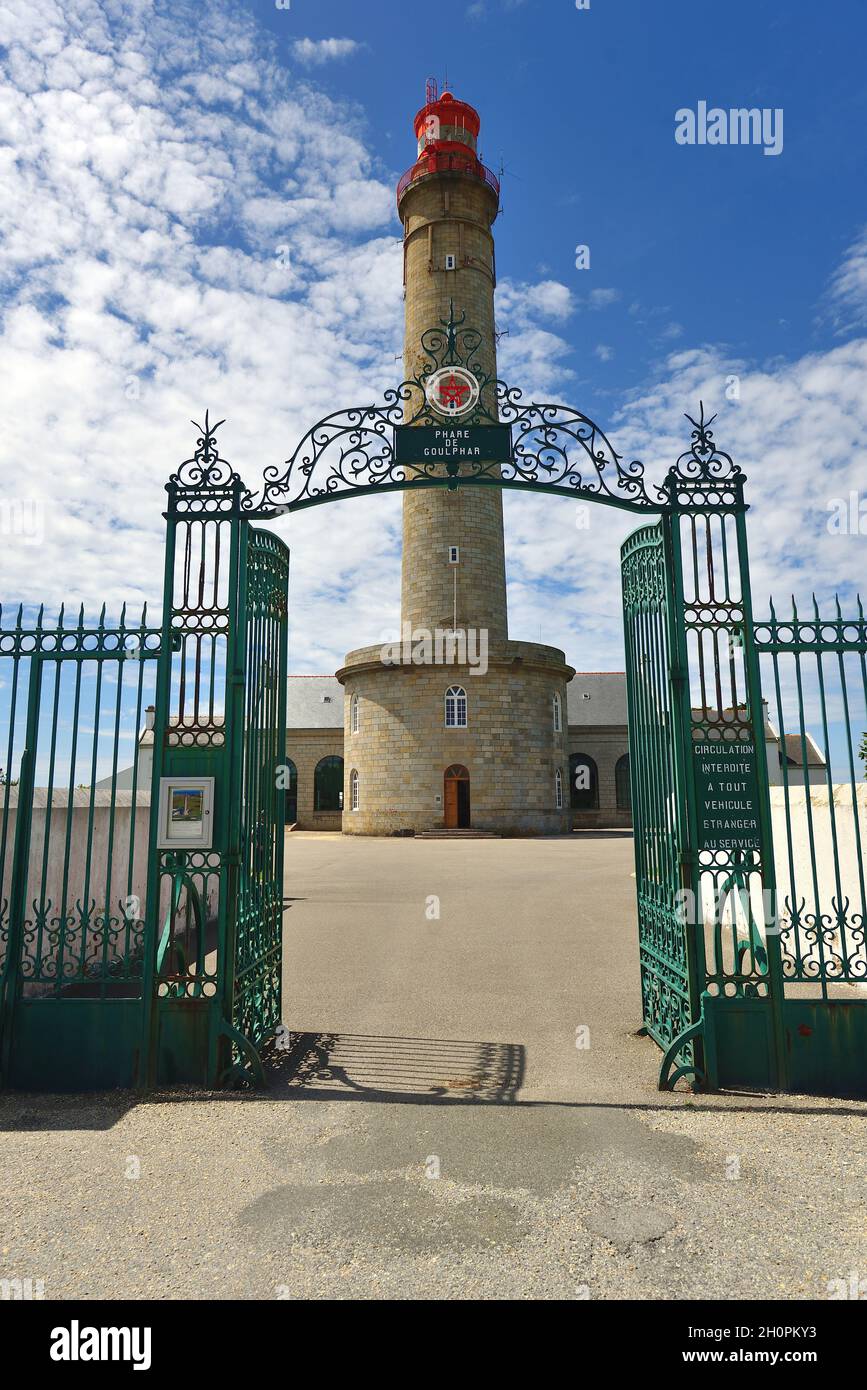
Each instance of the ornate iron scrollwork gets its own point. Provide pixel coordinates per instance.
(704, 475)
(543, 452)
(553, 449)
(206, 468)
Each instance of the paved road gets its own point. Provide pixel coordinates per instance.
(433, 1130)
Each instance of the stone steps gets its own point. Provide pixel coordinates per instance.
(457, 835)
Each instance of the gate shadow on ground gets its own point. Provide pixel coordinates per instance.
(434, 1071)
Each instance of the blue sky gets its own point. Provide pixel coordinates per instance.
(199, 212)
(723, 244)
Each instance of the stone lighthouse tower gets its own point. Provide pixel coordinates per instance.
(456, 727)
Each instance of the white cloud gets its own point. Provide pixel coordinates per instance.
(315, 52)
(798, 433)
(849, 284)
(601, 299)
(167, 246)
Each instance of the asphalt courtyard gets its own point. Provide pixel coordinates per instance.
(461, 1109)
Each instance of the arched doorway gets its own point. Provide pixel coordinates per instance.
(456, 798)
(328, 784)
(622, 785)
(291, 793)
(584, 777)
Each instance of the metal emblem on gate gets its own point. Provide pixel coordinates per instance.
(452, 391)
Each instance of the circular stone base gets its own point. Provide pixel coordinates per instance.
(510, 747)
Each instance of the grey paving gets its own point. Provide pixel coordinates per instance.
(432, 1130)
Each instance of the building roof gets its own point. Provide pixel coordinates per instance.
(596, 697)
(795, 752)
(592, 697)
(314, 702)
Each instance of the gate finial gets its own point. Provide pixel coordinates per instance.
(206, 468)
(703, 461)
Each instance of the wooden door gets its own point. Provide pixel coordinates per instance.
(451, 803)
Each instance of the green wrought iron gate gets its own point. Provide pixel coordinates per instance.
(748, 845)
(126, 959)
(670, 969)
(815, 674)
(710, 954)
(221, 713)
(257, 959)
(73, 849)
(124, 963)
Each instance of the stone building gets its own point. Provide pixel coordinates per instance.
(322, 755)
(455, 741)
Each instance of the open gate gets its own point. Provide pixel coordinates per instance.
(256, 992)
(220, 715)
(653, 633)
(710, 953)
(134, 953)
(126, 959)
(749, 824)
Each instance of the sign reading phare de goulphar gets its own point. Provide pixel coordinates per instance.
(471, 443)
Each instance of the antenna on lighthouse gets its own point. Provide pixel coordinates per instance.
(431, 91)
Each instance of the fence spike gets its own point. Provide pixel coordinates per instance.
(839, 609)
(81, 616)
(772, 609)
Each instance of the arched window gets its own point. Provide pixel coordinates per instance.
(558, 789)
(558, 713)
(456, 707)
(328, 784)
(584, 781)
(291, 793)
(353, 789)
(353, 715)
(622, 783)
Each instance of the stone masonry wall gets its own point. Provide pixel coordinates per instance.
(451, 214)
(510, 749)
(605, 744)
(305, 747)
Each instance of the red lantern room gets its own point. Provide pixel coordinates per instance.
(447, 132)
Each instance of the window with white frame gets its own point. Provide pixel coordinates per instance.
(456, 707)
(558, 713)
(353, 789)
(353, 715)
(558, 788)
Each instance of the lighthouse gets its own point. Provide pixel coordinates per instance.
(457, 728)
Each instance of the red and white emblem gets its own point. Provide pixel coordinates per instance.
(452, 391)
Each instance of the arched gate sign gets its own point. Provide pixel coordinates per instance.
(141, 912)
